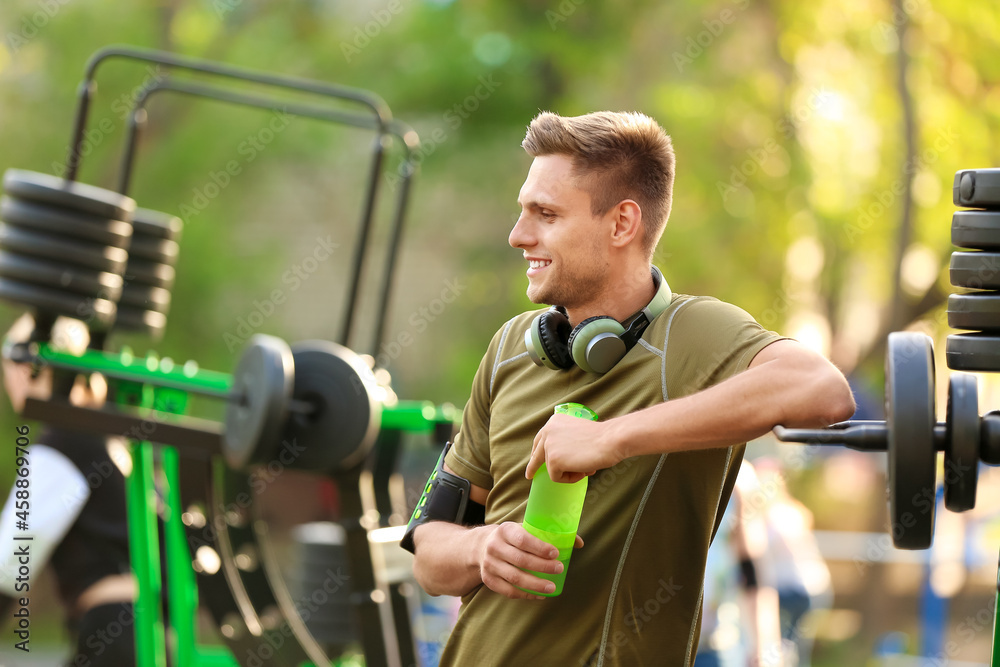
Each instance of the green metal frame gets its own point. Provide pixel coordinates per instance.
(995, 656)
(149, 382)
(153, 638)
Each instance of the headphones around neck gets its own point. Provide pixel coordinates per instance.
(597, 343)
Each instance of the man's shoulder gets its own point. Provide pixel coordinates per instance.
(510, 335)
(687, 304)
(521, 321)
(700, 307)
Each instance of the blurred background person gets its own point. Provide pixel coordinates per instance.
(77, 517)
(740, 617)
(792, 562)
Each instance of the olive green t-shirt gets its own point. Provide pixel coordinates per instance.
(632, 594)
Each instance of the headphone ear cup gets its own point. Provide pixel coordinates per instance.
(610, 348)
(553, 332)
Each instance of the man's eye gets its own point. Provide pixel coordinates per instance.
(548, 215)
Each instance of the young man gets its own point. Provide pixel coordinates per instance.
(675, 413)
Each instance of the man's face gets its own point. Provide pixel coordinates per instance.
(561, 240)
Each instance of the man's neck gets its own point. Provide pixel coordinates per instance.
(625, 295)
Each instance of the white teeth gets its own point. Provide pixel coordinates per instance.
(537, 264)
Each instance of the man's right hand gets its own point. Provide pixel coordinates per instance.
(508, 550)
(455, 560)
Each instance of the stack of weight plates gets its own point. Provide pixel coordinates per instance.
(149, 275)
(63, 246)
(977, 310)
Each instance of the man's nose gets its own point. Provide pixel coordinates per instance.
(520, 236)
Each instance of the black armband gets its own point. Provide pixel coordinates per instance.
(748, 573)
(445, 498)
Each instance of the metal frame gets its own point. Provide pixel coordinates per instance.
(378, 118)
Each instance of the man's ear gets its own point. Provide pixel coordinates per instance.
(626, 218)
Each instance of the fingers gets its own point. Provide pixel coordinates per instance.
(578, 543)
(536, 460)
(509, 551)
(509, 582)
(537, 456)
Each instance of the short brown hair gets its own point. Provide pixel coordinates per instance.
(618, 155)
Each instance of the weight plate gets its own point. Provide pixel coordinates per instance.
(145, 297)
(148, 322)
(976, 270)
(976, 187)
(64, 222)
(346, 416)
(976, 229)
(148, 222)
(161, 251)
(961, 453)
(258, 410)
(145, 272)
(68, 251)
(989, 438)
(96, 312)
(973, 352)
(48, 189)
(81, 281)
(977, 311)
(909, 414)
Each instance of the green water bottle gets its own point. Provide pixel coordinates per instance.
(554, 508)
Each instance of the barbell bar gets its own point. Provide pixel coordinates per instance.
(328, 412)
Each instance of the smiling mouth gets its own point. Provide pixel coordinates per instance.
(539, 264)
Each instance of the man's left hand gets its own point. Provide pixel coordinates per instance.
(572, 448)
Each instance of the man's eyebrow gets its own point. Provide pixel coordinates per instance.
(536, 204)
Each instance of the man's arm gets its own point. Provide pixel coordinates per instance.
(453, 560)
(786, 383)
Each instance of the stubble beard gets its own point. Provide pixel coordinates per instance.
(571, 287)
